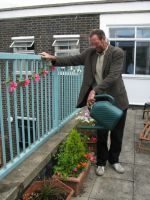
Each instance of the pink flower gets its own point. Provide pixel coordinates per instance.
(53, 68)
(75, 169)
(93, 159)
(45, 72)
(12, 86)
(93, 139)
(36, 77)
(26, 83)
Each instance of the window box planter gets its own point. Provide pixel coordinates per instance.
(76, 183)
(36, 186)
(92, 146)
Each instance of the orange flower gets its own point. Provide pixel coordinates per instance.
(78, 166)
(84, 164)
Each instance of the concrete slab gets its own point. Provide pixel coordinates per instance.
(142, 183)
(112, 189)
(127, 157)
(88, 184)
(142, 158)
(128, 175)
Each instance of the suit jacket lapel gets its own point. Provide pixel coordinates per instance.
(106, 57)
(94, 60)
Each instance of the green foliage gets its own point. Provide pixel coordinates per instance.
(48, 191)
(71, 152)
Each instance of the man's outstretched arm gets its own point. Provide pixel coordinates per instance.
(65, 61)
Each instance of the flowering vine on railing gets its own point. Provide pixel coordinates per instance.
(25, 82)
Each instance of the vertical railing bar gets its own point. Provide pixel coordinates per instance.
(37, 102)
(55, 97)
(2, 125)
(22, 108)
(65, 92)
(16, 108)
(42, 100)
(62, 94)
(58, 96)
(72, 89)
(9, 114)
(68, 75)
(27, 102)
(46, 116)
(49, 99)
(32, 96)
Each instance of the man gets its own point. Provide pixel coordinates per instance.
(102, 74)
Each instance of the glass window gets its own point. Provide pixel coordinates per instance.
(65, 42)
(143, 58)
(65, 45)
(143, 32)
(18, 44)
(136, 49)
(128, 47)
(121, 32)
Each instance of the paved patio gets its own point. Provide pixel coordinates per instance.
(134, 184)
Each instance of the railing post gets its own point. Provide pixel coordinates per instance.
(55, 98)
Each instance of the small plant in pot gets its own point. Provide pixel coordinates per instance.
(73, 161)
(52, 189)
(85, 123)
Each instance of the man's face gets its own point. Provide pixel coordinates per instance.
(97, 43)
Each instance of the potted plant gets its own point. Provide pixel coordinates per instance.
(52, 189)
(85, 123)
(73, 161)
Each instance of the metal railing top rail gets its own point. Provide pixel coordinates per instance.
(17, 56)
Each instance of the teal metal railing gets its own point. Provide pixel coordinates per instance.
(35, 101)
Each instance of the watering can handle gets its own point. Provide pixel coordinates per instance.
(106, 97)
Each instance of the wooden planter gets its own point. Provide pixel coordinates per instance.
(76, 183)
(92, 146)
(38, 185)
(87, 130)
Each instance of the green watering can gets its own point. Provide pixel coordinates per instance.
(104, 111)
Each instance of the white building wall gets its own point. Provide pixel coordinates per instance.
(138, 86)
(141, 6)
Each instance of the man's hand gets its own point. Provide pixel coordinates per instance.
(47, 56)
(91, 98)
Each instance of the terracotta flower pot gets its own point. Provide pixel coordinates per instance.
(76, 183)
(38, 185)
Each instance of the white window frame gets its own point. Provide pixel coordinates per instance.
(22, 39)
(66, 38)
(124, 19)
(135, 39)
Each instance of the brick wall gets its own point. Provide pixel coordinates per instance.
(43, 28)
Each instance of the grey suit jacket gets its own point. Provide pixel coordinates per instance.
(111, 72)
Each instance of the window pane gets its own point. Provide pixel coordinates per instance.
(65, 43)
(122, 32)
(22, 44)
(128, 47)
(143, 58)
(143, 32)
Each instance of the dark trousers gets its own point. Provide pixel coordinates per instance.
(116, 136)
